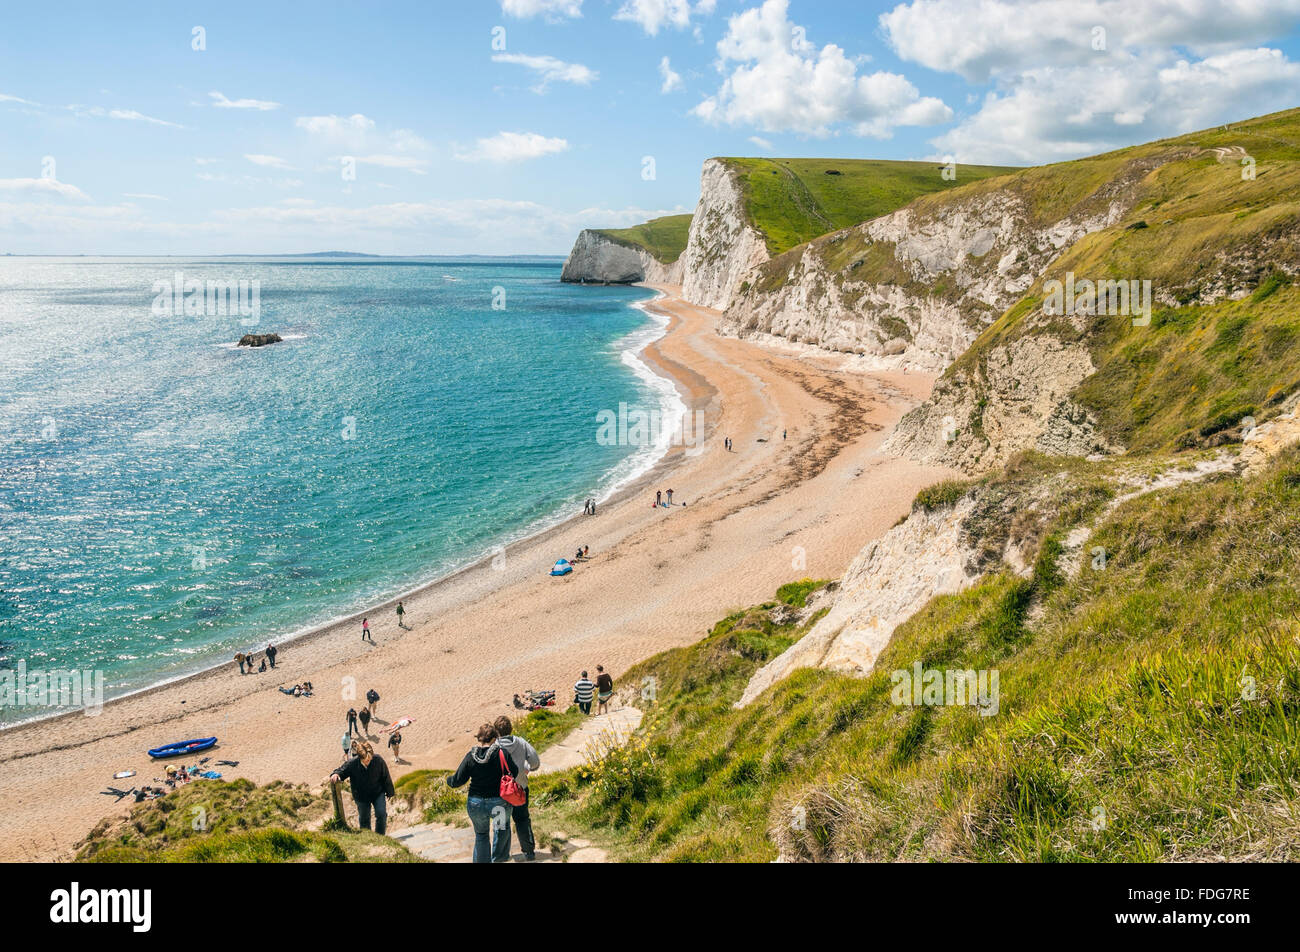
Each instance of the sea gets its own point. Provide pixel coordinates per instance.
(168, 498)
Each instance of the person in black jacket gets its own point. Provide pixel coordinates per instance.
(372, 785)
(482, 768)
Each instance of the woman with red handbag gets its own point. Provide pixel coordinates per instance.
(490, 774)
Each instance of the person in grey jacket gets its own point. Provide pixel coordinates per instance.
(524, 756)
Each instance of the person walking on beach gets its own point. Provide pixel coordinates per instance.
(372, 701)
(783, 434)
(658, 498)
(401, 613)
(352, 720)
(271, 652)
(524, 757)
(669, 495)
(604, 689)
(240, 658)
(482, 768)
(365, 721)
(583, 692)
(347, 744)
(372, 786)
(365, 631)
(395, 745)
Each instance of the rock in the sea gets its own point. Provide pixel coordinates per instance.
(259, 340)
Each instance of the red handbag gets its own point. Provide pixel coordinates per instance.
(511, 792)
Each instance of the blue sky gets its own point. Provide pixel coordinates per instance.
(505, 126)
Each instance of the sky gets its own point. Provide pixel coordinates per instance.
(507, 126)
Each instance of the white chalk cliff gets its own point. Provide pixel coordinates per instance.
(887, 582)
(597, 258)
(723, 248)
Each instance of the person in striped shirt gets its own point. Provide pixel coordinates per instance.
(583, 691)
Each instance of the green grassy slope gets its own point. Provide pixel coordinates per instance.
(792, 201)
(1147, 709)
(665, 238)
(224, 821)
(1198, 230)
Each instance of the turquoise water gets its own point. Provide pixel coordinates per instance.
(167, 499)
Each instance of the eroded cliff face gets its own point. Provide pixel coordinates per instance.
(723, 248)
(912, 289)
(598, 259)
(1014, 399)
(886, 583)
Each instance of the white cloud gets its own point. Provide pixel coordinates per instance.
(979, 39)
(1073, 77)
(463, 226)
(779, 82)
(654, 15)
(547, 8)
(406, 162)
(268, 161)
(549, 69)
(761, 143)
(202, 161)
(513, 147)
(147, 195)
(226, 179)
(336, 128)
(47, 186)
(221, 102)
(672, 80)
(1049, 114)
(18, 99)
(133, 116)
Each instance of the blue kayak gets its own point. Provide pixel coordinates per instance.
(183, 747)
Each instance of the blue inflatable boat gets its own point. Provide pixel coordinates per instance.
(183, 747)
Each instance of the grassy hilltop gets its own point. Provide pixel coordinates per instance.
(792, 201)
(665, 238)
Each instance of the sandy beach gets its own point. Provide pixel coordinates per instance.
(769, 512)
